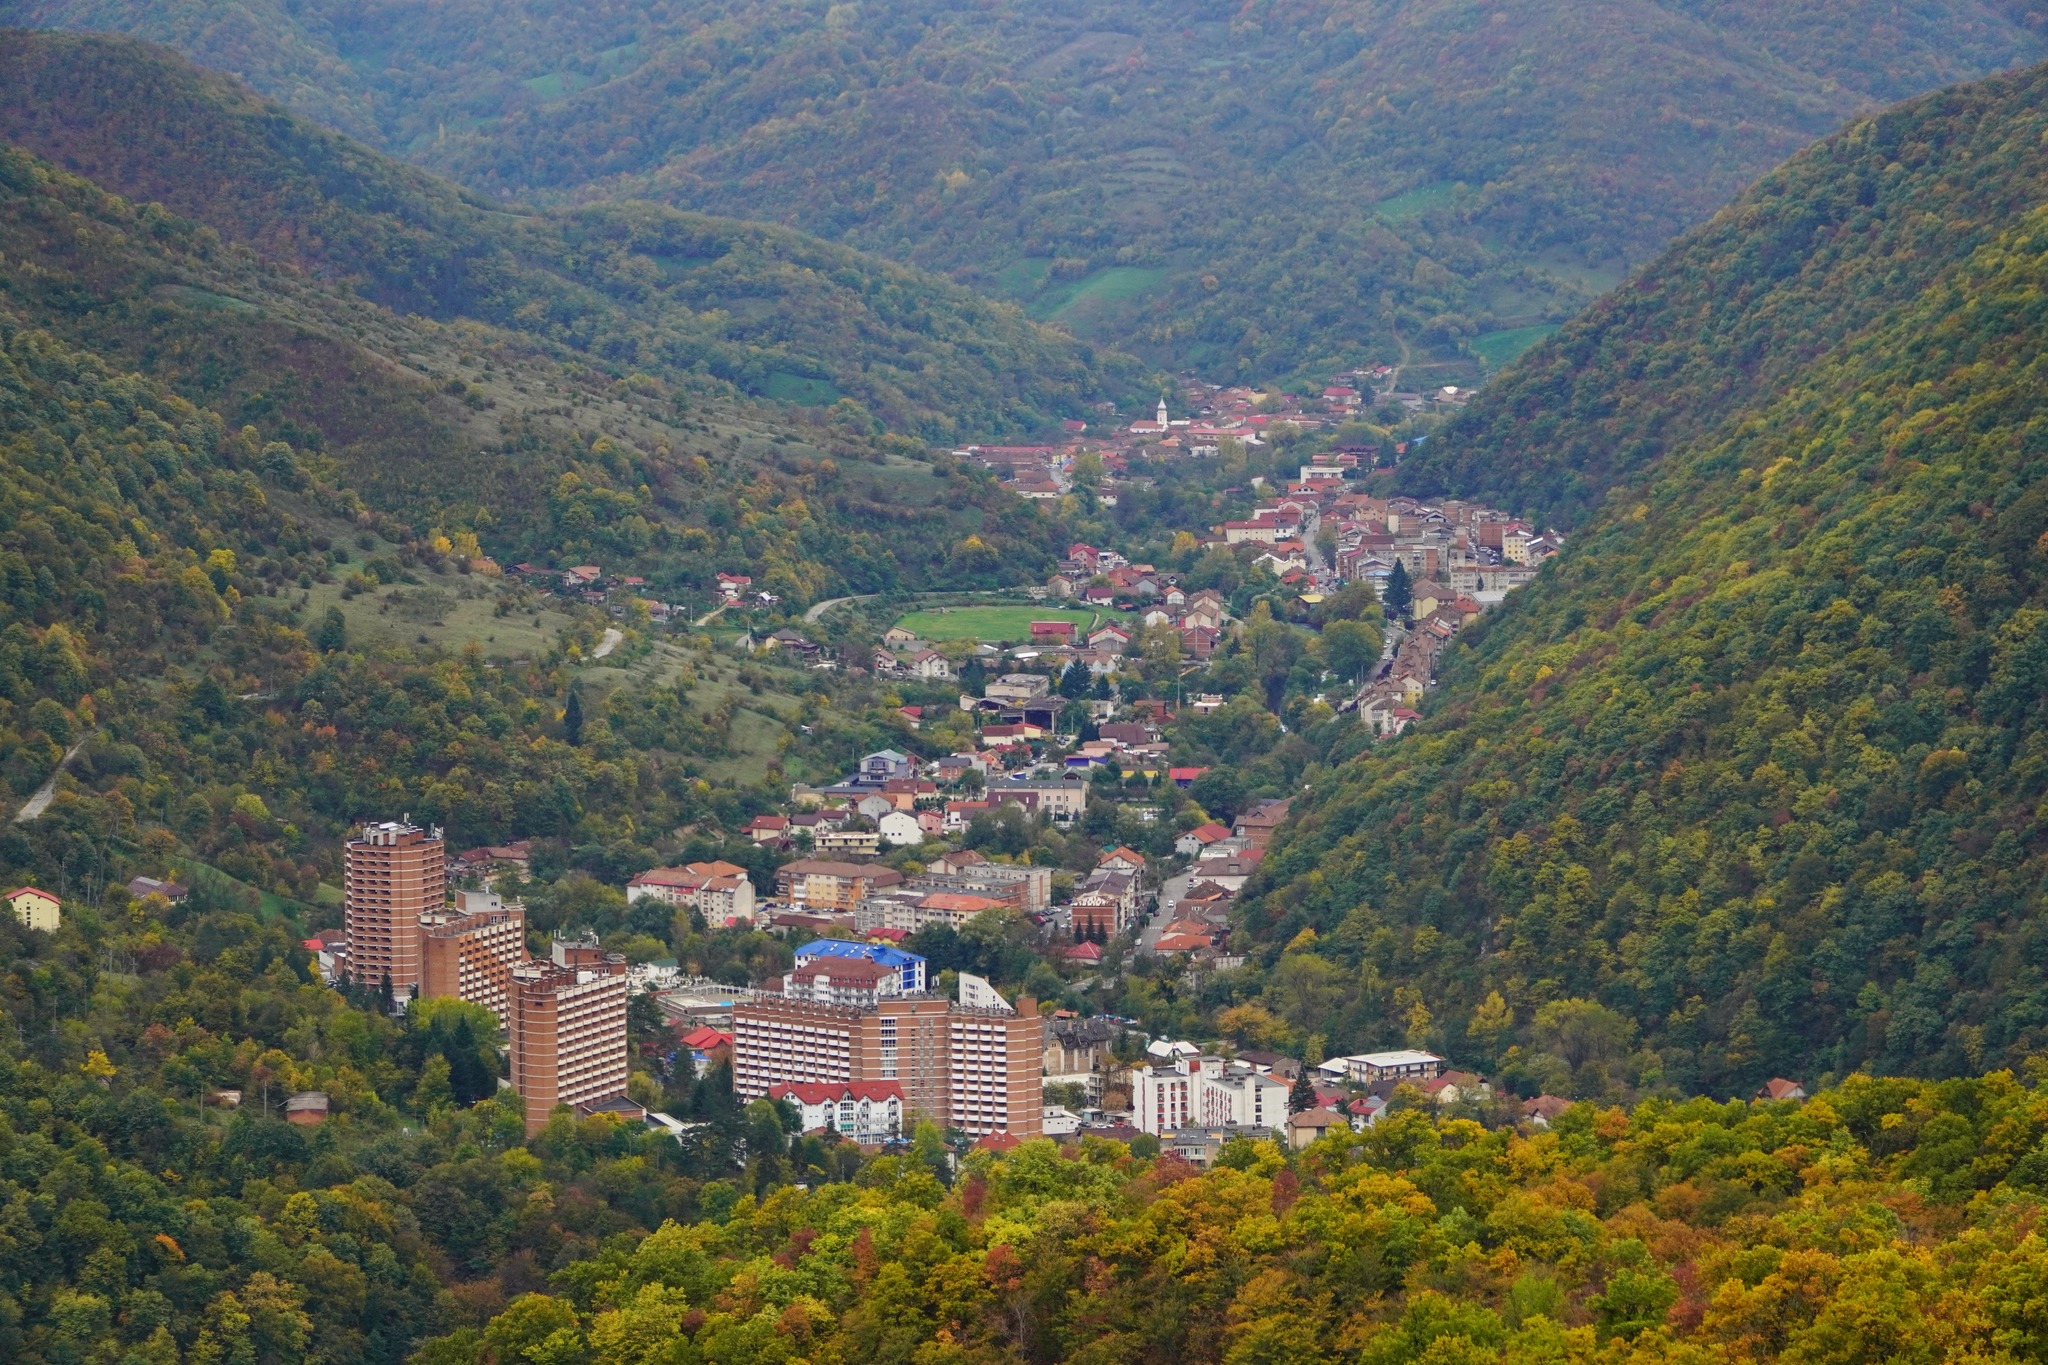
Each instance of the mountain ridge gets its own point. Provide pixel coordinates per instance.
(923, 355)
(1260, 191)
(1751, 774)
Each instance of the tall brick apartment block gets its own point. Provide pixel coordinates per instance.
(392, 874)
(979, 1069)
(568, 1029)
(471, 950)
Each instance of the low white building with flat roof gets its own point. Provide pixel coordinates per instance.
(1364, 1068)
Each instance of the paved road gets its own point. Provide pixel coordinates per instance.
(45, 794)
(1310, 530)
(611, 640)
(817, 613)
(1170, 892)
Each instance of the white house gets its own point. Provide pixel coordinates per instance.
(900, 827)
(721, 891)
(1059, 1121)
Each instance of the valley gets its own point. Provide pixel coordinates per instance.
(1001, 685)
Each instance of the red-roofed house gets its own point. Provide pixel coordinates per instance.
(855, 982)
(1182, 943)
(1185, 777)
(1200, 837)
(860, 1111)
(1122, 860)
(36, 909)
(720, 890)
(706, 1046)
(1052, 632)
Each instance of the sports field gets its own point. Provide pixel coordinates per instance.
(998, 624)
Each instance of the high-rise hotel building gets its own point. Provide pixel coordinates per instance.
(978, 1068)
(470, 951)
(568, 1028)
(392, 874)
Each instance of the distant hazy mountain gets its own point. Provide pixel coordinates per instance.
(1268, 187)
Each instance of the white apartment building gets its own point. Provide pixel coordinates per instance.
(1206, 1091)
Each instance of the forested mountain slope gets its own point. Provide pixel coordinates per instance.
(1274, 187)
(633, 288)
(1753, 774)
(201, 439)
(471, 428)
(1813, 255)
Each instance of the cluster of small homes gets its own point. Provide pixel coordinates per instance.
(590, 584)
(878, 903)
(1460, 559)
(1222, 861)
(1110, 902)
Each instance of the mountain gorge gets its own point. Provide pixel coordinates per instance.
(394, 426)
(1754, 769)
(1260, 191)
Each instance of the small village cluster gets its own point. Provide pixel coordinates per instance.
(1216, 414)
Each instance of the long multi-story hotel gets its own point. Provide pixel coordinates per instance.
(568, 1028)
(392, 874)
(471, 950)
(976, 1068)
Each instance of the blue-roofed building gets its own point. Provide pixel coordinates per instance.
(909, 966)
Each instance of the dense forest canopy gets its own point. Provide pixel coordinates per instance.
(1750, 777)
(1266, 189)
(1886, 1220)
(629, 288)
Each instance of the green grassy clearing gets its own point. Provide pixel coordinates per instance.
(450, 610)
(1496, 349)
(785, 387)
(1416, 202)
(269, 904)
(1569, 269)
(205, 299)
(552, 86)
(1022, 278)
(997, 624)
(712, 679)
(1098, 293)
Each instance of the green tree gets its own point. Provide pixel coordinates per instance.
(1400, 594)
(332, 636)
(1351, 647)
